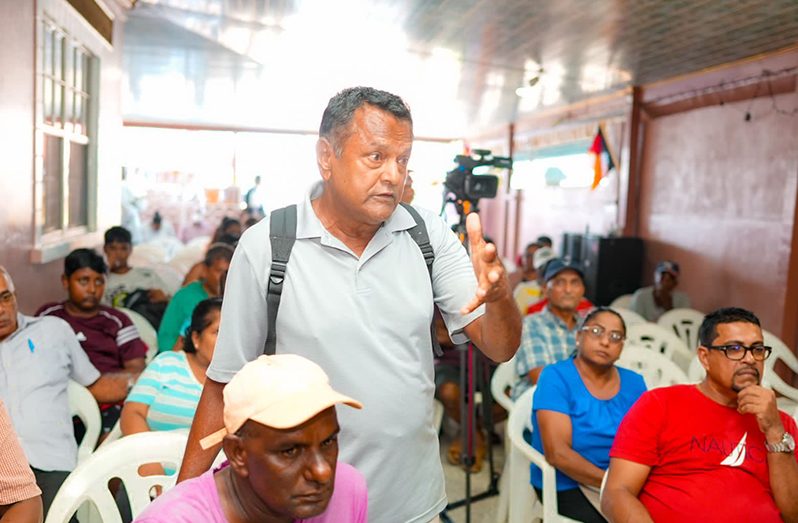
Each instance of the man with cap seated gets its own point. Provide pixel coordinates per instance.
(280, 437)
(542, 257)
(652, 302)
(549, 336)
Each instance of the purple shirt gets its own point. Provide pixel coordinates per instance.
(197, 501)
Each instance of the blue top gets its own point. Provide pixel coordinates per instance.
(594, 422)
(170, 390)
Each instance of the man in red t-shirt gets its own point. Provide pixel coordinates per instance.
(108, 336)
(716, 451)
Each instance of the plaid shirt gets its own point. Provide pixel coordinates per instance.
(545, 339)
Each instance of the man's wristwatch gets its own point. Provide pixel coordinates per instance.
(786, 445)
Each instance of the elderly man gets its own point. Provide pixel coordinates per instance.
(39, 356)
(716, 451)
(652, 302)
(549, 336)
(280, 436)
(370, 327)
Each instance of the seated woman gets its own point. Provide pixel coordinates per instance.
(166, 394)
(577, 407)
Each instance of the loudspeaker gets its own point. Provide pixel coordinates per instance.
(571, 251)
(613, 267)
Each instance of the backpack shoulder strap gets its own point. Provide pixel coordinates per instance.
(282, 235)
(420, 235)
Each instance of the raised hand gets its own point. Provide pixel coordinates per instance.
(761, 402)
(491, 277)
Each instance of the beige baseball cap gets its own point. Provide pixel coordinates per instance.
(280, 391)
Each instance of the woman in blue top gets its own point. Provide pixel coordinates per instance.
(576, 410)
(166, 394)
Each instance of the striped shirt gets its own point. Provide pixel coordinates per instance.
(16, 478)
(545, 339)
(109, 337)
(170, 390)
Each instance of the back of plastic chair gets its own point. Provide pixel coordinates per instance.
(522, 496)
(684, 323)
(146, 332)
(121, 459)
(503, 377)
(83, 405)
(659, 339)
(783, 353)
(657, 370)
(623, 302)
(171, 278)
(629, 316)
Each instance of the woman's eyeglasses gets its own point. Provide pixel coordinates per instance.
(597, 331)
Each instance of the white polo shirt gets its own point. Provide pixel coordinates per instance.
(366, 322)
(36, 363)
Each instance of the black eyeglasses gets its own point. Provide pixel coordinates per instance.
(737, 352)
(597, 331)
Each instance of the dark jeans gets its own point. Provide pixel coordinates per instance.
(49, 482)
(573, 504)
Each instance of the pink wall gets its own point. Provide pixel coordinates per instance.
(718, 195)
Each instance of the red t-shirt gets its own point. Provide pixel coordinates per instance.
(109, 337)
(708, 462)
(584, 305)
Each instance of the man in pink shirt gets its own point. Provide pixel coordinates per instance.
(281, 442)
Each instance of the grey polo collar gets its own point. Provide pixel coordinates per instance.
(23, 322)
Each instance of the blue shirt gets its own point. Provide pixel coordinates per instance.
(594, 422)
(170, 390)
(545, 339)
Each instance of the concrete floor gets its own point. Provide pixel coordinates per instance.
(482, 511)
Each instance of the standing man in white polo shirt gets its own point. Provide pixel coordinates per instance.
(38, 357)
(357, 300)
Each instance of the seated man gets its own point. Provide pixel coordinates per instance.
(136, 288)
(550, 335)
(178, 312)
(280, 437)
(39, 357)
(524, 281)
(716, 451)
(542, 257)
(108, 336)
(652, 302)
(20, 498)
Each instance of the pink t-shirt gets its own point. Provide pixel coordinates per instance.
(197, 501)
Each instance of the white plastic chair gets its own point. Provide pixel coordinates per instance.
(171, 278)
(661, 340)
(146, 254)
(200, 241)
(522, 496)
(622, 302)
(503, 377)
(657, 370)
(684, 323)
(146, 332)
(629, 316)
(83, 405)
(773, 380)
(121, 459)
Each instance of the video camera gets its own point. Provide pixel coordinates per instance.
(465, 185)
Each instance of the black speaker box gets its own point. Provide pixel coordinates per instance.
(612, 266)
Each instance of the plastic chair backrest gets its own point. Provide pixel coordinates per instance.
(172, 279)
(684, 323)
(121, 459)
(522, 496)
(146, 332)
(629, 316)
(83, 405)
(783, 353)
(147, 252)
(661, 340)
(657, 370)
(623, 302)
(200, 241)
(503, 377)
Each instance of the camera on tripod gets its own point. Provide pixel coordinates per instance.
(465, 185)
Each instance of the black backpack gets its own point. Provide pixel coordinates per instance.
(282, 234)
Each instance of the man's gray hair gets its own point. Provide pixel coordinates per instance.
(7, 276)
(341, 108)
